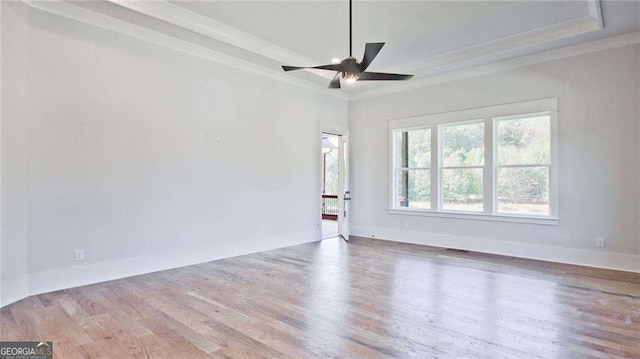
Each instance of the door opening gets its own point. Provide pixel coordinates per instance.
(330, 176)
(334, 186)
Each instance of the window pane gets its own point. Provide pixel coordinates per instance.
(414, 189)
(420, 148)
(463, 145)
(462, 189)
(413, 148)
(523, 190)
(524, 141)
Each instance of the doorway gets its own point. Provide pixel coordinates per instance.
(334, 186)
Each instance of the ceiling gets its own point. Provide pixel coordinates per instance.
(411, 30)
(426, 38)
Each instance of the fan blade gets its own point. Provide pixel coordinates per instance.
(371, 50)
(292, 68)
(334, 67)
(380, 76)
(335, 83)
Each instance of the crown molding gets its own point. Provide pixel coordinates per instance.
(87, 16)
(559, 31)
(595, 11)
(203, 25)
(569, 51)
(537, 36)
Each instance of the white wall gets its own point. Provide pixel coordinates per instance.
(13, 235)
(115, 166)
(598, 156)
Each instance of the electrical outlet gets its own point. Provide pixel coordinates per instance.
(600, 242)
(79, 255)
(261, 230)
(201, 138)
(218, 140)
(406, 223)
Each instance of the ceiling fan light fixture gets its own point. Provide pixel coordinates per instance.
(351, 78)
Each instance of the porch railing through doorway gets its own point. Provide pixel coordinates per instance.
(330, 206)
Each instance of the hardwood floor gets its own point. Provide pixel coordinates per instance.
(364, 299)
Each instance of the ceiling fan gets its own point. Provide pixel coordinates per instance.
(352, 70)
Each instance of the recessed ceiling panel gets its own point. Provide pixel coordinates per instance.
(412, 30)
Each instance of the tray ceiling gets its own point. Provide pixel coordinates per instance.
(427, 38)
(411, 30)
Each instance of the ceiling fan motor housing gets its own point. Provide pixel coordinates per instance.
(351, 66)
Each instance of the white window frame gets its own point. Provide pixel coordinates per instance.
(489, 115)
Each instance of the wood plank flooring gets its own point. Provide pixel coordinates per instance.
(364, 299)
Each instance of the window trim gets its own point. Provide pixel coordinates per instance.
(490, 117)
(512, 218)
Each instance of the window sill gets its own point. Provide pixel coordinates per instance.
(549, 221)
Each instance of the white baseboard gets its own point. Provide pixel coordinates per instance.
(598, 259)
(13, 289)
(69, 277)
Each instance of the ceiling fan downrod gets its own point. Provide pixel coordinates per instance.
(350, 68)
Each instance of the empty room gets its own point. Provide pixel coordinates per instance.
(319, 179)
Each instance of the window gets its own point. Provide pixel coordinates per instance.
(462, 166)
(524, 160)
(413, 168)
(484, 162)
